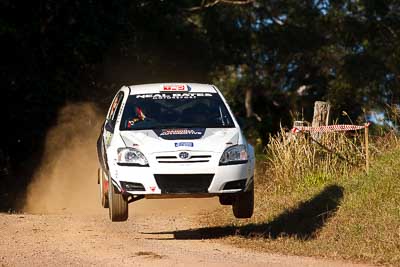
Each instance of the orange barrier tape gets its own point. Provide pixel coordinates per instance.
(330, 128)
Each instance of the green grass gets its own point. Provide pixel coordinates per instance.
(350, 215)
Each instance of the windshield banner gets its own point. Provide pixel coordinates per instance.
(173, 96)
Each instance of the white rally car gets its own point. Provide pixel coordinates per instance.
(173, 140)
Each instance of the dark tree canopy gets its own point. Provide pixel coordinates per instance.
(270, 58)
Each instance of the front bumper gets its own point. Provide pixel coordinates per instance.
(201, 178)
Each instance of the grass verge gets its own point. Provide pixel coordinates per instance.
(341, 215)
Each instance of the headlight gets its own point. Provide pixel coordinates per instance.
(128, 156)
(234, 155)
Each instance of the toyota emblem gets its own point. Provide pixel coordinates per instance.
(184, 155)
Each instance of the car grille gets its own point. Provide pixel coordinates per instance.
(175, 159)
(184, 183)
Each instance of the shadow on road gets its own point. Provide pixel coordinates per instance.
(300, 222)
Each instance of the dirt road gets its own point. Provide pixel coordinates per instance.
(65, 224)
(146, 239)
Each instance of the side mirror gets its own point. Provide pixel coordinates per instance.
(109, 126)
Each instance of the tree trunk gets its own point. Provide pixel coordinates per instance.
(248, 102)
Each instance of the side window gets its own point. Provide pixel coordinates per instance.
(115, 107)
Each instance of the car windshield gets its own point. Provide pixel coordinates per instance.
(175, 110)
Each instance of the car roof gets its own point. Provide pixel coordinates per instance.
(153, 88)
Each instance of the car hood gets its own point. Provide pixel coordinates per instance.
(211, 139)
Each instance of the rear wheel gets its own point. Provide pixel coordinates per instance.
(243, 205)
(118, 205)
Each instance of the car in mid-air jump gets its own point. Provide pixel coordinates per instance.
(173, 140)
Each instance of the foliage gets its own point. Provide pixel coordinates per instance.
(293, 157)
(328, 211)
(287, 54)
(291, 53)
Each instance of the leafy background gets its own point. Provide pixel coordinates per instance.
(280, 56)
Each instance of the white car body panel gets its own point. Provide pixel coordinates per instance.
(212, 145)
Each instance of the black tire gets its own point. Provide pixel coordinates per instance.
(103, 195)
(243, 204)
(118, 205)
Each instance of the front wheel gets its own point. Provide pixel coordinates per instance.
(243, 205)
(118, 205)
(103, 183)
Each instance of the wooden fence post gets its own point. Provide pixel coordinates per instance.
(321, 116)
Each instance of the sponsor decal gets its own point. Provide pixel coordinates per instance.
(152, 188)
(176, 134)
(175, 87)
(189, 144)
(179, 132)
(174, 96)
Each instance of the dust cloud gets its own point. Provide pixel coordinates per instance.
(66, 181)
